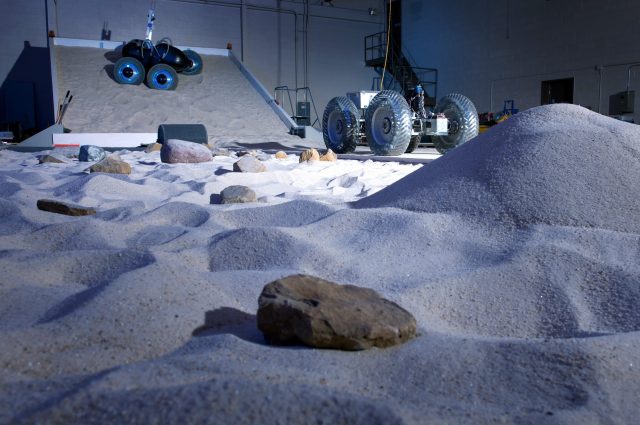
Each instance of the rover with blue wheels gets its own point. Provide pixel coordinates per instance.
(158, 64)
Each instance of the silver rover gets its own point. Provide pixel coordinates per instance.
(385, 121)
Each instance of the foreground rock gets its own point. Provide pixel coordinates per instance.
(309, 155)
(176, 151)
(90, 153)
(323, 314)
(59, 207)
(281, 155)
(237, 195)
(249, 164)
(112, 165)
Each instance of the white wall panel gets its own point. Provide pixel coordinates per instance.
(503, 49)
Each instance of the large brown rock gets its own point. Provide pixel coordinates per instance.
(176, 151)
(313, 311)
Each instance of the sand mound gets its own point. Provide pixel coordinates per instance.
(555, 164)
(10, 211)
(292, 214)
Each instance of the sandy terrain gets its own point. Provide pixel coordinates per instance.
(221, 98)
(518, 253)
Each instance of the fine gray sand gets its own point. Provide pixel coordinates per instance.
(221, 98)
(518, 254)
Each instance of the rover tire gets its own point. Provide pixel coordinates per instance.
(413, 143)
(128, 71)
(196, 68)
(162, 77)
(463, 122)
(387, 123)
(340, 123)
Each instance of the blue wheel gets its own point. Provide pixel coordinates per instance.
(195, 58)
(128, 71)
(162, 77)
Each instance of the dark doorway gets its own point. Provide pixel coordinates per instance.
(557, 91)
(394, 6)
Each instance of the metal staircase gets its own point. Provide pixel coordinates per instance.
(400, 73)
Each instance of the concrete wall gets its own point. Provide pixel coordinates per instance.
(25, 82)
(323, 50)
(503, 49)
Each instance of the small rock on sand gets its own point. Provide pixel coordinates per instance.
(309, 155)
(237, 195)
(319, 313)
(153, 147)
(50, 159)
(65, 208)
(249, 164)
(281, 155)
(329, 155)
(220, 152)
(112, 165)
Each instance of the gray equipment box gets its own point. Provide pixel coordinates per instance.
(303, 113)
(362, 98)
(621, 103)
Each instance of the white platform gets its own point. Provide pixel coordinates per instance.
(111, 140)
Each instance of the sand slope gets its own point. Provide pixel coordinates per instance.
(221, 98)
(526, 304)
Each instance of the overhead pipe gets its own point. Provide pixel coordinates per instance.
(235, 5)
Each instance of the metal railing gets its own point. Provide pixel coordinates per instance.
(303, 100)
(404, 75)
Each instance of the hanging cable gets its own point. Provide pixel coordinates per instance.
(386, 53)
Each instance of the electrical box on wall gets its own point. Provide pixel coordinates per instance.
(303, 113)
(621, 103)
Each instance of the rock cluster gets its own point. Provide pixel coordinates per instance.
(315, 312)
